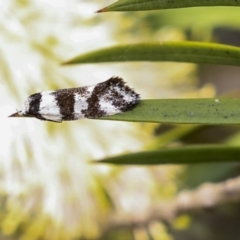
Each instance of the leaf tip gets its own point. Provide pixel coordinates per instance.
(102, 10)
(64, 63)
(68, 62)
(94, 161)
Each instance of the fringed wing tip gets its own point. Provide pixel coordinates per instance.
(115, 80)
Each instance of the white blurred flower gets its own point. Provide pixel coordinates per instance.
(45, 165)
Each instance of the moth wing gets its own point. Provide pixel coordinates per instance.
(117, 97)
(81, 101)
(49, 109)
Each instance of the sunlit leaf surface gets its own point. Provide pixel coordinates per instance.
(191, 111)
(195, 52)
(182, 111)
(179, 155)
(143, 5)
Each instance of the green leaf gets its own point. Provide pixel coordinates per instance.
(143, 5)
(178, 155)
(191, 111)
(195, 52)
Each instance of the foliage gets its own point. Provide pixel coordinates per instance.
(179, 51)
(195, 52)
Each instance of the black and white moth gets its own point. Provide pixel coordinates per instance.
(103, 99)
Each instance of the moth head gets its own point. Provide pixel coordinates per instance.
(31, 106)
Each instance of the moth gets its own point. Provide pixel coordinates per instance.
(103, 99)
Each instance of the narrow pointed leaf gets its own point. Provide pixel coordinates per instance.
(143, 5)
(179, 155)
(190, 111)
(195, 52)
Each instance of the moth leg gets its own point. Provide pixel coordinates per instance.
(38, 116)
(51, 120)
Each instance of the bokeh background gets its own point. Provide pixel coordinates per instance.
(48, 188)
